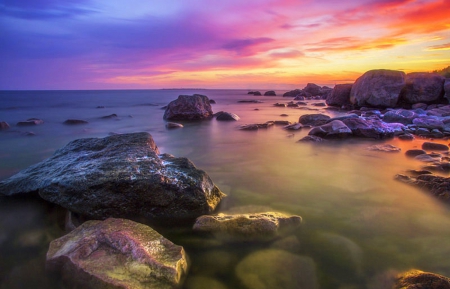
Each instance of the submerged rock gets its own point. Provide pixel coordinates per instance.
(247, 227)
(75, 121)
(314, 119)
(436, 185)
(172, 125)
(226, 116)
(311, 138)
(274, 268)
(117, 253)
(4, 125)
(430, 146)
(416, 279)
(189, 107)
(379, 88)
(119, 176)
(30, 122)
(385, 148)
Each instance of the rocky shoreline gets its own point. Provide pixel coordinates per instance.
(121, 186)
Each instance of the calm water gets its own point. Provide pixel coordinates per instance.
(359, 224)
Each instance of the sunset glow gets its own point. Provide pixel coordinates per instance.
(93, 44)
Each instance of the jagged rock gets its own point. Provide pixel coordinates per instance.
(334, 129)
(340, 95)
(117, 253)
(313, 119)
(422, 87)
(272, 268)
(172, 125)
(30, 122)
(385, 148)
(432, 146)
(399, 116)
(226, 116)
(189, 107)
(247, 227)
(379, 88)
(292, 93)
(416, 279)
(119, 176)
(270, 93)
(4, 125)
(75, 121)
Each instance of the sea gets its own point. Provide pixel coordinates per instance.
(360, 226)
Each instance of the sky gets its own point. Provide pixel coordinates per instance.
(272, 44)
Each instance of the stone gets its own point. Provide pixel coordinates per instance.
(119, 176)
(421, 87)
(292, 93)
(340, 95)
(172, 125)
(311, 138)
(279, 104)
(321, 104)
(378, 88)
(447, 89)
(189, 107)
(75, 121)
(247, 227)
(428, 122)
(406, 136)
(414, 152)
(432, 146)
(250, 101)
(256, 126)
(294, 126)
(313, 119)
(428, 158)
(313, 89)
(272, 268)
(372, 128)
(4, 125)
(109, 116)
(385, 148)
(212, 101)
(30, 122)
(227, 116)
(399, 116)
(270, 93)
(282, 122)
(117, 253)
(437, 186)
(334, 129)
(416, 279)
(419, 105)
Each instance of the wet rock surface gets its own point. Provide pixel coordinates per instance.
(189, 107)
(75, 121)
(227, 116)
(4, 125)
(117, 253)
(119, 176)
(334, 129)
(340, 95)
(172, 125)
(416, 279)
(247, 227)
(314, 119)
(437, 186)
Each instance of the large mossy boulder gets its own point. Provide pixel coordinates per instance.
(247, 227)
(119, 176)
(117, 253)
(189, 107)
(423, 87)
(416, 279)
(378, 88)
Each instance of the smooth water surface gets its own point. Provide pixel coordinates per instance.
(360, 225)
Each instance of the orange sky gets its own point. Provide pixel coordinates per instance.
(229, 44)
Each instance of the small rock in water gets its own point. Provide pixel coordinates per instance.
(434, 146)
(75, 121)
(4, 125)
(227, 116)
(30, 122)
(294, 126)
(385, 148)
(110, 116)
(172, 125)
(414, 152)
(312, 138)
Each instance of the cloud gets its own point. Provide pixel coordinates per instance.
(246, 46)
(43, 9)
(445, 46)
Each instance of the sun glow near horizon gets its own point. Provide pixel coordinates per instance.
(266, 44)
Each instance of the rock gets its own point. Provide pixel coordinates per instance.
(203, 282)
(282, 122)
(119, 176)
(416, 279)
(406, 136)
(302, 96)
(30, 122)
(419, 106)
(294, 126)
(385, 148)
(340, 95)
(447, 89)
(212, 101)
(399, 116)
(437, 186)
(372, 128)
(428, 158)
(270, 93)
(117, 253)
(334, 129)
(247, 227)
(292, 93)
(226, 116)
(4, 125)
(189, 107)
(313, 89)
(431, 146)
(110, 116)
(172, 125)
(256, 126)
(378, 88)
(75, 121)
(311, 138)
(428, 122)
(279, 104)
(283, 114)
(313, 119)
(254, 92)
(321, 104)
(273, 268)
(414, 152)
(250, 101)
(422, 88)
(440, 166)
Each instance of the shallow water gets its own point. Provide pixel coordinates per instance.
(360, 225)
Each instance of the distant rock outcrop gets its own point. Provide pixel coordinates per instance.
(4, 125)
(340, 95)
(270, 93)
(117, 253)
(378, 88)
(30, 122)
(423, 88)
(189, 107)
(75, 121)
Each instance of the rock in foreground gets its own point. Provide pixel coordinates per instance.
(119, 176)
(247, 227)
(416, 279)
(117, 253)
(189, 107)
